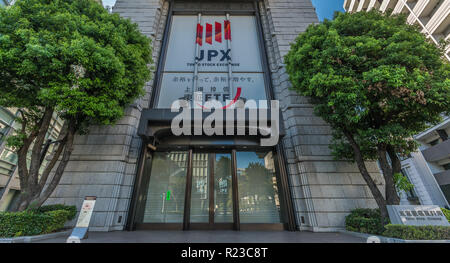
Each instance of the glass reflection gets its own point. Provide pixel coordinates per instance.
(200, 188)
(257, 187)
(165, 196)
(223, 200)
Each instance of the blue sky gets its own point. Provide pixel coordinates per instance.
(326, 8)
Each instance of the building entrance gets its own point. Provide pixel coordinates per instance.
(211, 204)
(196, 189)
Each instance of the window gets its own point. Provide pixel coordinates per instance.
(8, 158)
(442, 134)
(446, 191)
(434, 142)
(436, 7)
(446, 166)
(6, 120)
(219, 41)
(411, 194)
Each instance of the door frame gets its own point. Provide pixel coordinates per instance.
(211, 225)
(144, 175)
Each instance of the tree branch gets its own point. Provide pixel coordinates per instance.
(51, 164)
(396, 164)
(381, 202)
(22, 153)
(391, 192)
(36, 151)
(61, 166)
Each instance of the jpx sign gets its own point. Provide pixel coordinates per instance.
(417, 215)
(210, 46)
(220, 40)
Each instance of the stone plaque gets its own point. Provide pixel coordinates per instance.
(417, 215)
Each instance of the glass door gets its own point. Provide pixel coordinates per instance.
(200, 190)
(223, 198)
(212, 191)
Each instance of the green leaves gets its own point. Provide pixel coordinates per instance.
(417, 232)
(43, 41)
(402, 183)
(30, 223)
(372, 74)
(364, 220)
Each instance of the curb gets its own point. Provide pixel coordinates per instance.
(30, 239)
(384, 239)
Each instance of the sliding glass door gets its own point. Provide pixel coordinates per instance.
(258, 188)
(212, 190)
(166, 192)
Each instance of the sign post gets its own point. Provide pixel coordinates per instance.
(84, 218)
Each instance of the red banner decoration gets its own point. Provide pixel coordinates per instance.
(199, 38)
(208, 38)
(218, 27)
(227, 30)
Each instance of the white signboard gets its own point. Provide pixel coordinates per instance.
(214, 86)
(86, 212)
(219, 41)
(245, 53)
(417, 215)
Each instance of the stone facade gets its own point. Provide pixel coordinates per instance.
(323, 190)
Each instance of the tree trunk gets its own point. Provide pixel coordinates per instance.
(376, 193)
(32, 185)
(36, 153)
(24, 201)
(392, 197)
(396, 168)
(60, 169)
(26, 177)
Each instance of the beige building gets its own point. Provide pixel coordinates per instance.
(433, 16)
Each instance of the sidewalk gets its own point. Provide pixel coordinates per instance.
(214, 237)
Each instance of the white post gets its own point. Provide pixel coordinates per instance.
(230, 70)
(196, 61)
(423, 26)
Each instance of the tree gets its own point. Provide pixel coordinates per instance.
(69, 58)
(377, 81)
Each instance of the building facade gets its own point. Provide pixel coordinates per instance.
(430, 165)
(145, 177)
(433, 16)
